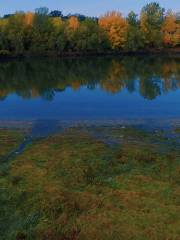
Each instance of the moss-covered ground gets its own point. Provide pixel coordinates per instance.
(101, 183)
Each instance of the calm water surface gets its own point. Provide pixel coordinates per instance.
(90, 89)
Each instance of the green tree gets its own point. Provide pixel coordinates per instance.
(42, 31)
(134, 35)
(90, 37)
(151, 19)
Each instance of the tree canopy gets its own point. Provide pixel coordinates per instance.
(43, 32)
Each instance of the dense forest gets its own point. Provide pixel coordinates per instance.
(43, 32)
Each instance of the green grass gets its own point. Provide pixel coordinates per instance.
(75, 186)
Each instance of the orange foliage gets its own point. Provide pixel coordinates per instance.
(73, 23)
(116, 27)
(171, 30)
(114, 81)
(29, 16)
(76, 85)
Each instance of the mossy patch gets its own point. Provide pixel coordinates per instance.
(76, 186)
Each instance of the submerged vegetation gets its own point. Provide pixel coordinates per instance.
(42, 33)
(93, 183)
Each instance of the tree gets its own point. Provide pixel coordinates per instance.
(134, 35)
(15, 32)
(56, 14)
(71, 27)
(42, 11)
(29, 17)
(116, 27)
(90, 37)
(170, 30)
(3, 39)
(57, 23)
(59, 37)
(73, 23)
(42, 31)
(151, 19)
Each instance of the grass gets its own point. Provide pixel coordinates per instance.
(9, 140)
(78, 186)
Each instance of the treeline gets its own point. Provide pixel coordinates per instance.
(41, 32)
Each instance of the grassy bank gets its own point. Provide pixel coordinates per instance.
(93, 183)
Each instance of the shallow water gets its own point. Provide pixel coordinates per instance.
(90, 89)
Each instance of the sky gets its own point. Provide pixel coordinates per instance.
(87, 7)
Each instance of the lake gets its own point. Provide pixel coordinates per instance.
(94, 88)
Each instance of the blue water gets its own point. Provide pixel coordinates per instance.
(56, 97)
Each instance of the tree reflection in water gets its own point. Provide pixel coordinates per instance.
(149, 76)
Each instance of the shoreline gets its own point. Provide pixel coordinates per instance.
(140, 53)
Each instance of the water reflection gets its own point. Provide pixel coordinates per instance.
(150, 76)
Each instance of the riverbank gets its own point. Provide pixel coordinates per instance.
(167, 51)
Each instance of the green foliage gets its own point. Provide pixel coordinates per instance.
(134, 34)
(42, 33)
(90, 37)
(152, 16)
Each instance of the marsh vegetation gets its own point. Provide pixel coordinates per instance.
(101, 182)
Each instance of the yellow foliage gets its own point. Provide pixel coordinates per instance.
(57, 22)
(114, 82)
(143, 23)
(3, 22)
(116, 27)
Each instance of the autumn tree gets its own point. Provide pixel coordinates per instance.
(170, 30)
(73, 23)
(15, 32)
(56, 22)
(116, 27)
(29, 17)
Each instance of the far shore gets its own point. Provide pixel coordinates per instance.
(167, 51)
